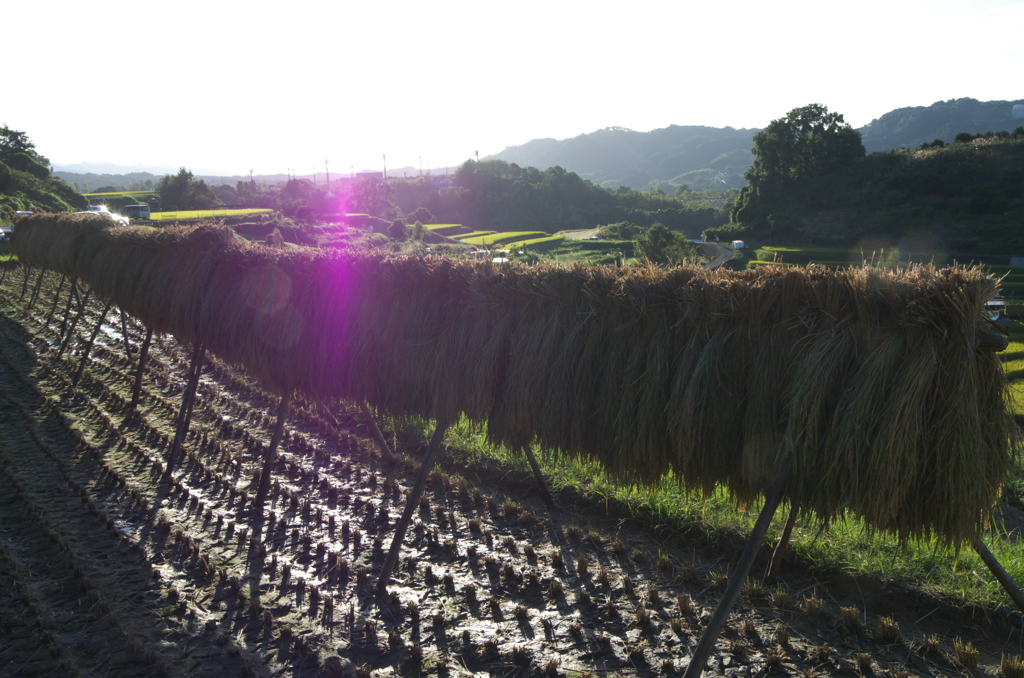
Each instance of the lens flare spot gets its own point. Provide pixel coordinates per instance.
(269, 289)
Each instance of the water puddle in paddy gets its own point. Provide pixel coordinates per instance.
(110, 337)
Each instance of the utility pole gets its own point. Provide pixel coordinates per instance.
(385, 165)
(328, 170)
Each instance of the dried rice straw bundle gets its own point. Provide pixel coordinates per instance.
(49, 240)
(869, 382)
(248, 315)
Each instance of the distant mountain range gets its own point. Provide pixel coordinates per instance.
(711, 157)
(89, 177)
(699, 157)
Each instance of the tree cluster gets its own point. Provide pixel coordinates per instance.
(795, 159)
(502, 196)
(184, 192)
(810, 182)
(967, 137)
(659, 245)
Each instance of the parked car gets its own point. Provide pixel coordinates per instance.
(995, 308)
(102, 209)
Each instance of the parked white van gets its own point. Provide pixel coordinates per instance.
(136, 211)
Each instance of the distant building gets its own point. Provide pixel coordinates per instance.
(1018, 111)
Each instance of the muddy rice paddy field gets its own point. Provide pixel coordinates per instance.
(110, 567)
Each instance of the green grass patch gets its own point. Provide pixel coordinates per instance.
(447, 230)
(675, 514)
(502, 238)
(475, 234)
(538, 243)
(187, 215)
(1013, 363)
(569, 251)
(118, 193)
(759, 262)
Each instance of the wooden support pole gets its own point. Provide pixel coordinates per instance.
(184, 413)
(56, 298)
(84, 358)
(82, 301)
(739, 575)
(143, 354)
(1001, 575)
(780, 548)
(124, 334)
(67, 309)
(35, 290)
(385, 449)
(270, 456)
(192, 400)
(545, 493)
(24, 285)
(410, 506)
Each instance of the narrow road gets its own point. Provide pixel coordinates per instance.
(716, 254)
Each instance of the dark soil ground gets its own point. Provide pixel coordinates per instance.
(110, 567)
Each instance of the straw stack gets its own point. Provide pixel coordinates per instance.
(868, 380)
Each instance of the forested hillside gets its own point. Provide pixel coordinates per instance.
(965, 197)
(695, 156)
(25, 180)
(912, 126)
(716, 158)
(812, 182)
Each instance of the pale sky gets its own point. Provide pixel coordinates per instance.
(224, 87)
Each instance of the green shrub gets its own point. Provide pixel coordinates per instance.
(10, 204)
(46, 200)
(623, 230)
(422, 215)
(26, 163)
(397, 230)
(68, 194)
